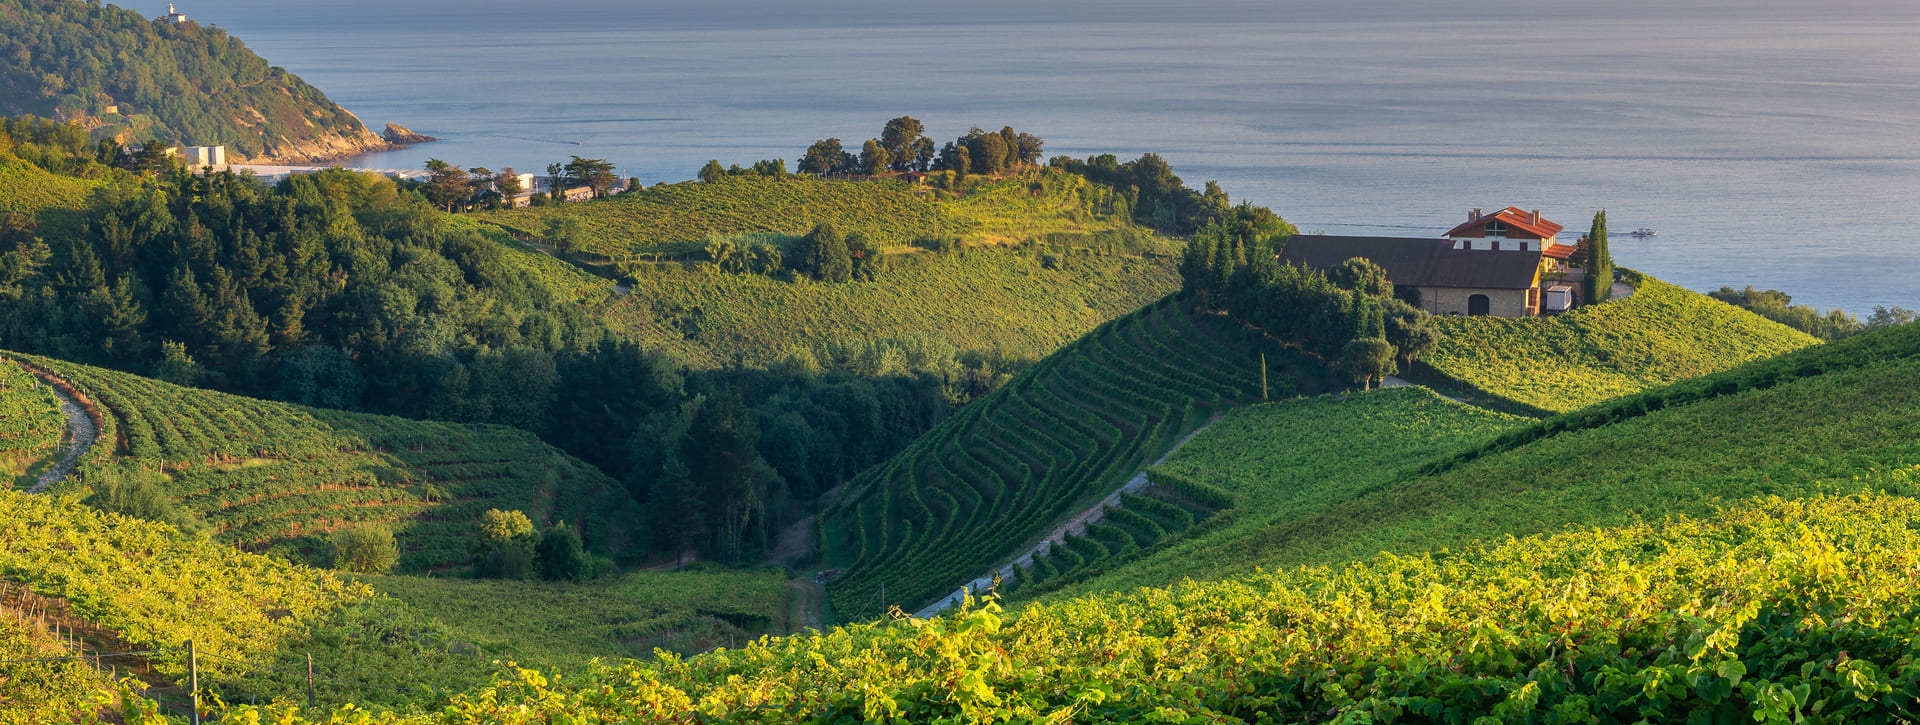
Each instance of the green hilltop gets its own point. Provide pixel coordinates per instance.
(1661, 334)
(127, 77)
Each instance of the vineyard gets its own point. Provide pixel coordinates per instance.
(272, 477)
(1289, 461)
(564, 625)
(980, 300)
(1773, 611)
(677, 219)
(1060, 436)
(31, 426)
(28, 191)
(1660, 335)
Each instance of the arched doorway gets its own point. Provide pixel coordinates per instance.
(1478, 305)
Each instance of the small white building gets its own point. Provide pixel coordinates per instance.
(199, 156)
(172, 16)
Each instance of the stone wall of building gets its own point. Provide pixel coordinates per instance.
(1453, 301)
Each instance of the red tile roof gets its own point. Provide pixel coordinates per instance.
(1514, 218)
(1561, 251)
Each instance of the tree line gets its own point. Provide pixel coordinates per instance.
(1351, 316)
(903, 146)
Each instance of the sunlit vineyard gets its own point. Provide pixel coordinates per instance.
(980, 300)
(28, 191)
(1659, 335)
(1776, 611)
(1065, 433)
(31, 425)
(275, 477)
(1293, 460)
(675, 219)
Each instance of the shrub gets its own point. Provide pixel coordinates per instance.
(367, 549)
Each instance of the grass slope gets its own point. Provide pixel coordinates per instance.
(674, 219)
(1005, 469)
(1660, 335)
(276, 477)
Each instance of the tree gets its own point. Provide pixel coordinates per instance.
(1367, 359)
(824, 254)
(712, 172)
(1362, 275)
(874, 160)
(826, 157)
(504, 548)
(986, 150)
(596, 174)
(1599, 284)
(447, 185)
(507, 185)
(562, 557)
(367, 549)
(722, 454)
(565, 233)
(902, 140)
(869, 262)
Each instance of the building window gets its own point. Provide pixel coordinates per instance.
(1496, 245)
(1479, 305)
(1496, 228)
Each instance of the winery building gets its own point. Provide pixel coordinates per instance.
(1492, 264)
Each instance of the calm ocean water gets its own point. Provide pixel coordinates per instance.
(1772, 143)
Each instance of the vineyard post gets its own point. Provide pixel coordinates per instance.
(1263, 376)
(309, 681)
(193, 681)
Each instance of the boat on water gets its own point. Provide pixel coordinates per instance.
(1642, 232)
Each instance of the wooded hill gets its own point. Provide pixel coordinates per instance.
(135, 79)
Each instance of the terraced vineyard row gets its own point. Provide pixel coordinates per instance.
(31, 425)
(275, 477)
(995, 476)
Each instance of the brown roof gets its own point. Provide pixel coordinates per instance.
(1561, 251)
(1417, 262)
(1514, 218)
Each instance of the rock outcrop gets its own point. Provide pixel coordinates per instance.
(399, 135)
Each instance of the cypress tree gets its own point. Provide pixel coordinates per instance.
(1599, 264)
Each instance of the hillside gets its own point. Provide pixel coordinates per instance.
(1795, 426)
(679, 219)
(1773, 611)
(994, 477)
(185, 84)
(274, 477)
(1659, 335)
(31, 426)
(36, 203)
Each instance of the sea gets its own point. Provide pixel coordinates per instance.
(1771, 143)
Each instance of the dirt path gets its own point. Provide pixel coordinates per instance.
(804, 597)
(1076, 525)
(80, 427)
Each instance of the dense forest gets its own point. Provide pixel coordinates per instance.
(137, 80)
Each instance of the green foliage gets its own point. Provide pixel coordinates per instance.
(1739, 616)
(31, 425)
(1831, 325)
(1285, 462)
(1051, 442)
(562, 556)
(1599, 279)
(184, 84)
(995, 301)
(364, 549)
(276, 477)
(1659, 335)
